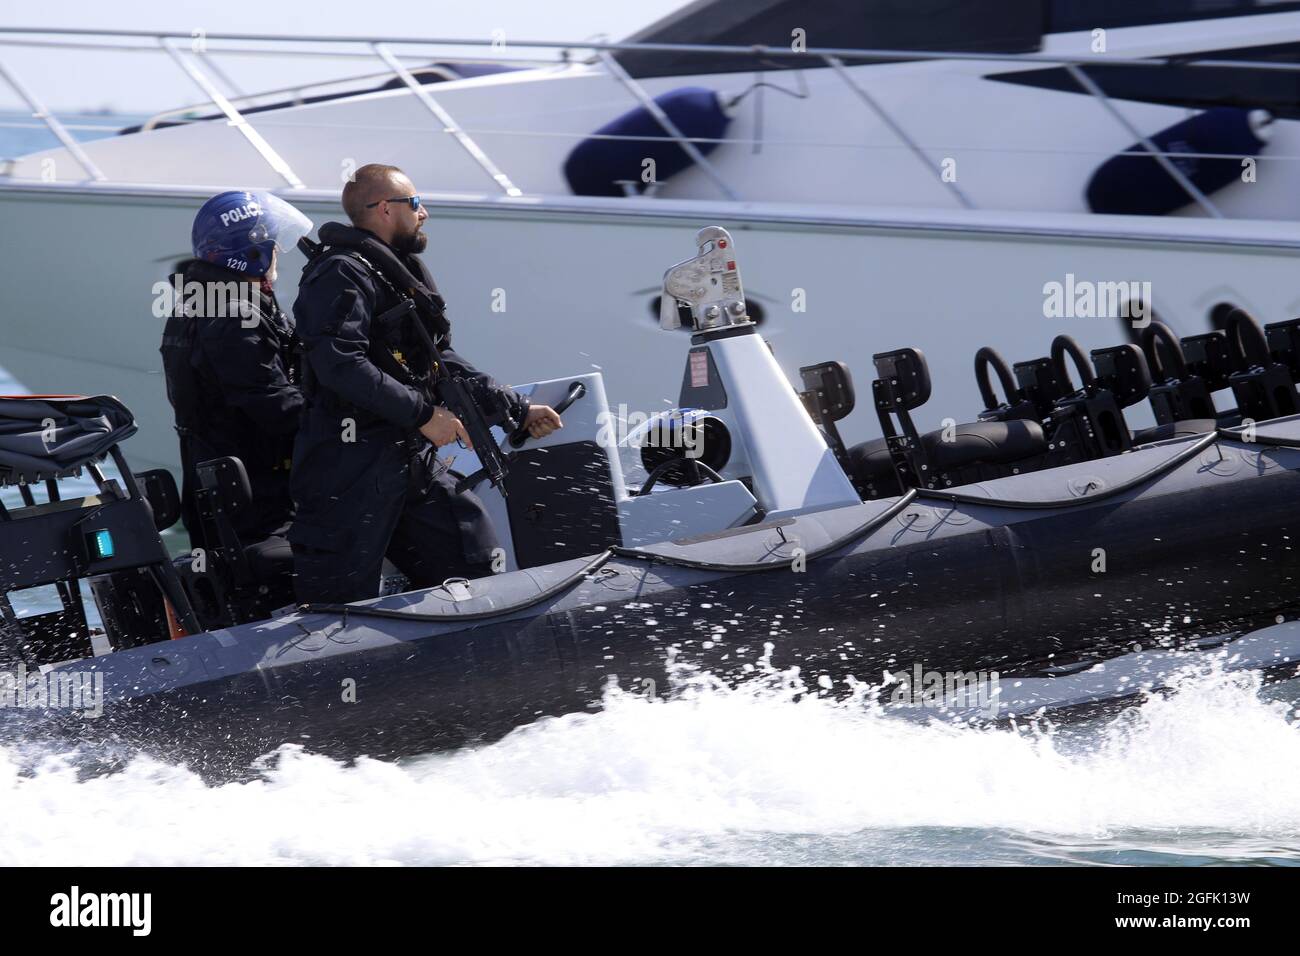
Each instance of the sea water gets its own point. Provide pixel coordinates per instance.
(766, 772)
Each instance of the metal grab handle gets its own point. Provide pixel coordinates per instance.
(1062, 346)
(984, 358)
(1155, 335)
(576, 391)
(520, 435)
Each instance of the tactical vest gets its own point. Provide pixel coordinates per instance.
(179, 335)
(392, 347)
(179, 342)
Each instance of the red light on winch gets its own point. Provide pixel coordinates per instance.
(722, 243)
(731, 265)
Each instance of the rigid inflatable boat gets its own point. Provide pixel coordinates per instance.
(1040, 540)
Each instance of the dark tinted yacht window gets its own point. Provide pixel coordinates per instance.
(1067, 16)
(1002, 26)
(1193, 87)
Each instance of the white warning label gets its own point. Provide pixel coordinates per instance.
(699, 369)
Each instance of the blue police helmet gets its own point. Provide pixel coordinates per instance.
(239, 230)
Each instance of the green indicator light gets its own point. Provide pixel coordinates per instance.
(101, 544)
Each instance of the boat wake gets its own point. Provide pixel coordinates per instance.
(769, 771)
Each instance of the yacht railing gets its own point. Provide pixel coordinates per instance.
(255, 139)
(40, 112)
(449, 124)
(296, 94)
(392, 51)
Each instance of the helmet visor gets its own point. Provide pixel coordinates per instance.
(279, 222)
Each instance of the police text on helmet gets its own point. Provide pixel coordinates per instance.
(249, 210)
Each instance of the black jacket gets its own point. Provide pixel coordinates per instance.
(232, 382)
(338, 303)
(361, 423)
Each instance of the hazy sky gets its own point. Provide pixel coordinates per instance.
(148, 81)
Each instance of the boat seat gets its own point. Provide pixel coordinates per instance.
(989, 443)
(1191, 426)
(222, 595)
(270, 560)
(870, 459)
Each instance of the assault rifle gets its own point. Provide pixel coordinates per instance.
(478, 409)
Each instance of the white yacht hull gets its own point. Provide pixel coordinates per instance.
(541, 289)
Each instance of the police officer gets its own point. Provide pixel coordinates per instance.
(367, 482)
(229, 356)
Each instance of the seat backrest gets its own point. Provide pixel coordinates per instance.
(223, 492)
(1284, 344)
(828, 391)
(227, 480)
(1263, 385)
(1122, 370)
(902, 380)
(1209, 357)
(158, 486)
(1177, 394)
(1040, 383)
(829, 397)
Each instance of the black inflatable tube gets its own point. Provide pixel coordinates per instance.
(557, 588)
(1263, 440)
(956, 497)
(861, 531)
(951, 497)
(345, 610)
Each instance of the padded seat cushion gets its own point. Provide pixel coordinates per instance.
(270, 559)
(994, 443)
(870, 464)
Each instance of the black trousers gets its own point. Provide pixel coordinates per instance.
(417, 521)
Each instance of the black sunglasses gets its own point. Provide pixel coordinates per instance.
(412, 201)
